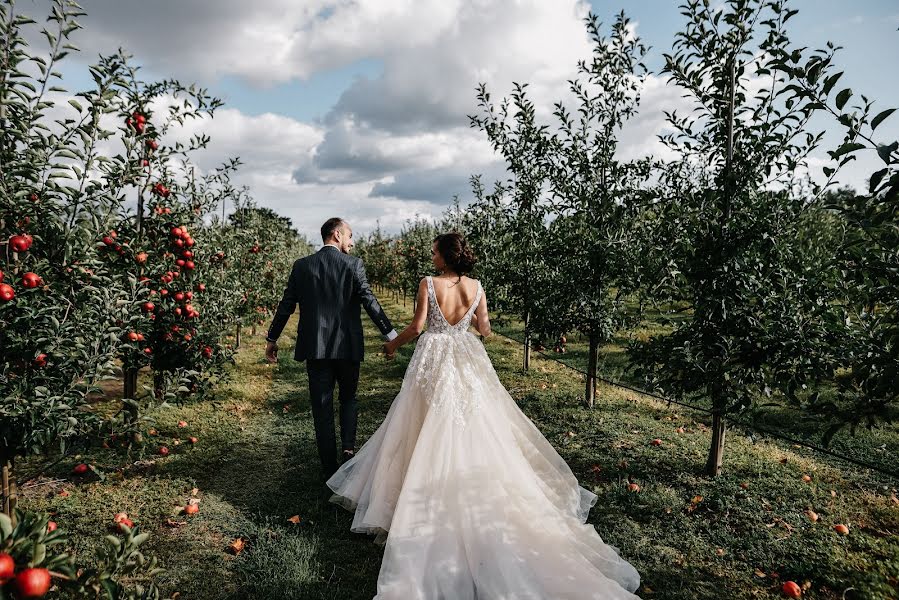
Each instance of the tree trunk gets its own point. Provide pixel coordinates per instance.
(590, 390)
(253, 331)
(237, 337)
(9, 491)
(526, 364)
(132, 415)
(159, 386)
(716, 451)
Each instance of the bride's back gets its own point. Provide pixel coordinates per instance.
(454, 296)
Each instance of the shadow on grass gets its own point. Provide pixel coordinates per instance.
(272, 473)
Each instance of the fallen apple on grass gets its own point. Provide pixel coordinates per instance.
(791, 589)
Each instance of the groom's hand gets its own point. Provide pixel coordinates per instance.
(389, 351)
(271, 352)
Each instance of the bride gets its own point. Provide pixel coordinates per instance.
(473, 501)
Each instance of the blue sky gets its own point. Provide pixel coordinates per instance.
(359, 109)
(866, 30)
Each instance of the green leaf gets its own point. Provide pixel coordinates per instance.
(76, 105)
(831, 81)
(847, 148)
(885, 151)
(875, 180)
(39, 554)
(879, 118)
(843, 98)
(5, 525)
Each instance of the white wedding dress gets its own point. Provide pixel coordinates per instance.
(475, 502)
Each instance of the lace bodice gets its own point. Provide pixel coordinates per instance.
(437, 323)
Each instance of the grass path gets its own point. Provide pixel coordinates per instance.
(255, 466)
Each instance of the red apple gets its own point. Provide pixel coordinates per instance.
(20, 243)
(163, 451)
(152, 144)
(791, 589)
(132, 336)
(633, 487)
(841, 529)
(192, 440)
(141, 258)
(182, 423)
(192, 509)
(125, 522)
(201, 287)
(189, 265)
(32, 583)
(6, 292)
(7, 567)
(656, 442)
(51, 526)
(80, 469)
(40, 360)
(148, 307)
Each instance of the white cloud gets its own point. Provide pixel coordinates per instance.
(393, 145)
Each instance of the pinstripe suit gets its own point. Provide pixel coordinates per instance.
(331, 289)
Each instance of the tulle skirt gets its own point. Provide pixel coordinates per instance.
(473, 502)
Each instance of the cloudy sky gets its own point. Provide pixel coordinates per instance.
(359, 108)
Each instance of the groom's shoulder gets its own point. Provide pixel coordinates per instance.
(330, 257)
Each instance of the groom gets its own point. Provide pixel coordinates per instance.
(330, 286)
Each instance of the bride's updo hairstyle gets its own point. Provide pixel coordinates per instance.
(455, 252)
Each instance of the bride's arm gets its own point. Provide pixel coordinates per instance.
(481, 320)
(417, 324)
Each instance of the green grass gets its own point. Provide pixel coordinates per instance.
(877, 446)
(255, 466)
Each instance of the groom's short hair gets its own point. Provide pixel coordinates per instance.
(330, 226)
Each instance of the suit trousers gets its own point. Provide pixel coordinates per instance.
(323, 374)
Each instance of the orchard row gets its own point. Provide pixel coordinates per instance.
(115, 256)
(783, 289)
